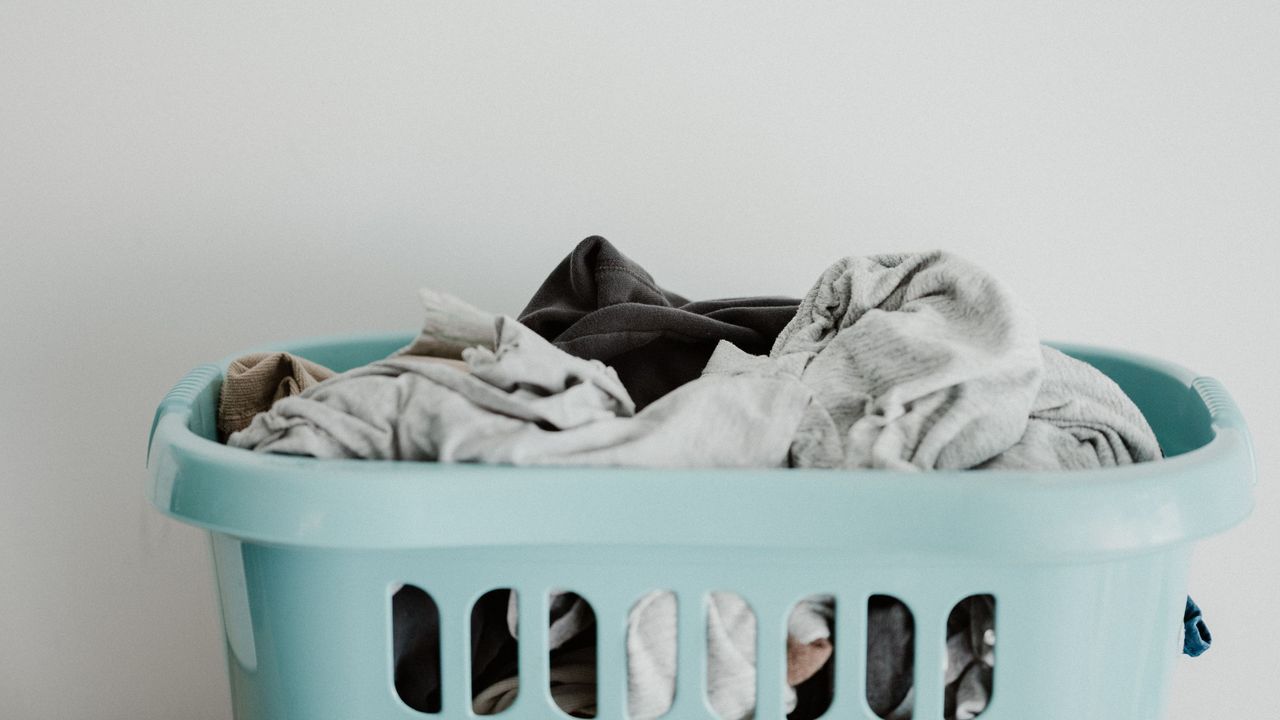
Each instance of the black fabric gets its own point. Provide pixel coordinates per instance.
(890, 656)
(415, 622)
(600, 304)
(415, 626)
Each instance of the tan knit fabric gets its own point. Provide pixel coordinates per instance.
(255, 381)
(806, 659)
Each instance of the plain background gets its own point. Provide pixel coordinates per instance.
(179, 182)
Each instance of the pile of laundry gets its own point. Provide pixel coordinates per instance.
(914, 361)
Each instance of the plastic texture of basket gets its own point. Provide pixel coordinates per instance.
(1089, 569)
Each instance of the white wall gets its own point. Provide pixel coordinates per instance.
(180, 182)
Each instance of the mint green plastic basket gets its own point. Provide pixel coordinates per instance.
(1089, 569)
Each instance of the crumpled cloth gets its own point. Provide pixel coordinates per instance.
(449, 326)
(1080, 420)
(253, 382)
(598, 303)
(924, 361)
(530, 403)
(921, 361)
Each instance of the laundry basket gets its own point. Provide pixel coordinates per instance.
(1088, 569)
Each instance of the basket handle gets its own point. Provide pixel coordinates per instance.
(1223, 411)
(182, 397)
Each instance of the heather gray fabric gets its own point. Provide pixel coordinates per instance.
(1081, 420)
(449, 326)
(922, 361)
(529, 403)
(816, 441)
(925, 362)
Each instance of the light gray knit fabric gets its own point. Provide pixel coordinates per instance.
(1081, 420)
(529, 403)
(449, 326)
(925, 362)
(922, 361)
